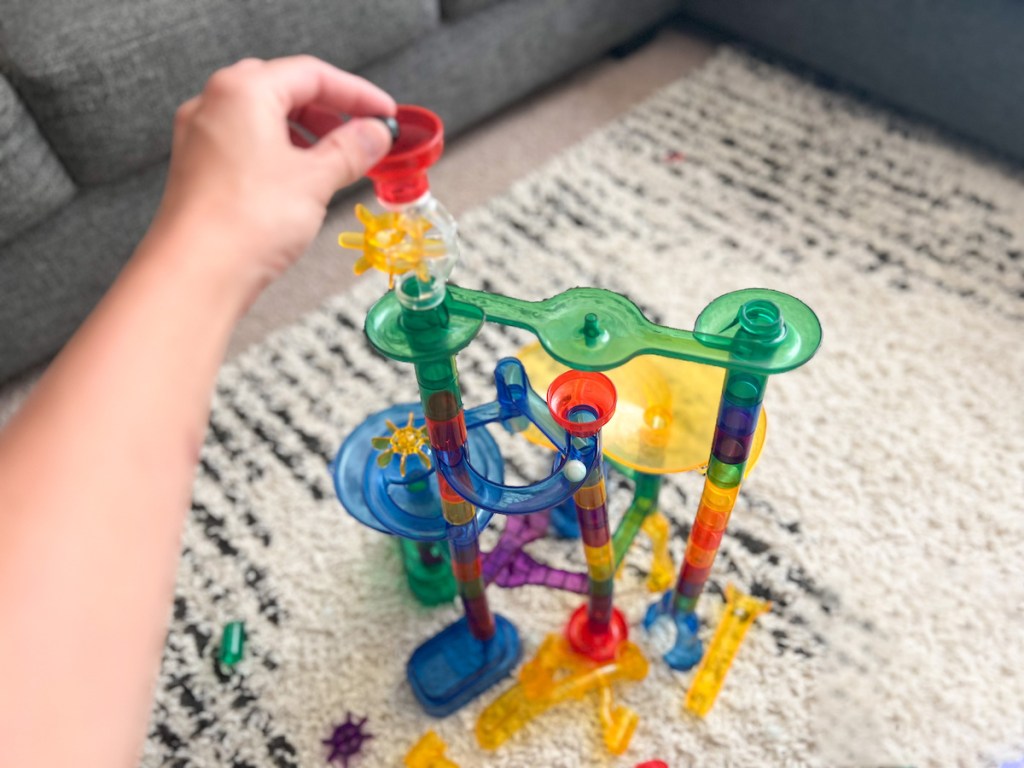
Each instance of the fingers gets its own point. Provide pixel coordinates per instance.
(302, 80)
(313, 121)
(182, 120)
(344, 155)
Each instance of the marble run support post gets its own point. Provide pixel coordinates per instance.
(761, 327)
(582, 403)
(469, 656)
(446, 425)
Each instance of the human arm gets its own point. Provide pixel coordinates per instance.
(96, 469)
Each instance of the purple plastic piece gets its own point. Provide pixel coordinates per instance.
(507, 565)
(347, 740)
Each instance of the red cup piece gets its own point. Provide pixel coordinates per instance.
(653, 764)
(582, 402)
(596, 646)
(401, 177)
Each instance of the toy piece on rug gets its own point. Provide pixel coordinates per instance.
(740, 612)
(653, 764)
(429, 752)
(556, 674)
(232, 644)
(347, 740)
(455, 489)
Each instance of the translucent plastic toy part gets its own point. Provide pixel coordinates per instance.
(593, 329)
(404, 505)
(665, 416)
(516, 401)
(454, 666)
(656, 527)
(401, 177)
(404, 441)
(740, 612)
(429, 752)
(395, 243)
(557, 674)
(346, 740)
(507, 565)
(416, 240)
(232, 644)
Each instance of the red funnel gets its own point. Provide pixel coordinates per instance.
(401, 177)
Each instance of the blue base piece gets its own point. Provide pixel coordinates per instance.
(452, 668)
(687, 650)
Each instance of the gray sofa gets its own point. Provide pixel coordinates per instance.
(957, 62)
(88, 89)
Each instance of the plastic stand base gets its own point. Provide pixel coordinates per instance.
(599, 647)
(687, 650)
(452, 668)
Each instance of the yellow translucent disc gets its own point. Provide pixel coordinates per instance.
(664, 421)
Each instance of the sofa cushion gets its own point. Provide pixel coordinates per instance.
(103, 77)
(456, 9)
(32, 183)
(470, 68)
(52, 275)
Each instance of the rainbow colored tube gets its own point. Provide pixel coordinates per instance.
(738, 413)
(446, 425)
(592, 512)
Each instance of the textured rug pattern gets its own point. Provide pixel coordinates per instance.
(884, 520)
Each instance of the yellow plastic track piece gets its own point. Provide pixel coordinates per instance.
(557, 674)
(740, 612)
(663, 570)
(428, 752)
(393, 243)
(664, 419)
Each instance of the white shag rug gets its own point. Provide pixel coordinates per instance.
(885, 518)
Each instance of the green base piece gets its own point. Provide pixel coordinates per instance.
(428, 571)
(232, 644)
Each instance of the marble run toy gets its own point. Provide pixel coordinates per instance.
(740, 612)
(446, 488)
(559, 673)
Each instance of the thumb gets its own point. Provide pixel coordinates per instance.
(346, 153)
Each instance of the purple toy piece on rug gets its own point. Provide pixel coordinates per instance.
(507, 565)
(347, 740)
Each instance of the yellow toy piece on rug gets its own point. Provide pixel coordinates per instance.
(393, 243)
(428, 752)
(557, 674)
(740, 612)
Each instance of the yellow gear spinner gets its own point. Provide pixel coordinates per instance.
(394, 243)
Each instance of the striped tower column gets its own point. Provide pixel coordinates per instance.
(446, 425)
(592, 512)
(738, 413)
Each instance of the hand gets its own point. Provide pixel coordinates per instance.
(239, 178)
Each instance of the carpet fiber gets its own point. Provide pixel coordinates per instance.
(884, 519)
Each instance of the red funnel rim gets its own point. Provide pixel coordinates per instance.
(401, 176)
(587, 391)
